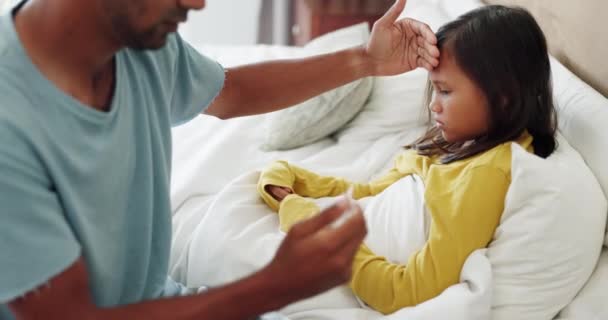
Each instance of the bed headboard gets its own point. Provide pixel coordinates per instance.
(577, 35)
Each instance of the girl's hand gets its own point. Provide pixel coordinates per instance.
(279, 193)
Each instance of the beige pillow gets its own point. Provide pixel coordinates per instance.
(322, 115)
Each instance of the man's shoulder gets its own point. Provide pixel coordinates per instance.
(16, 136)
(13, 74)
(7, 45)
(16, 105)
(14, 87)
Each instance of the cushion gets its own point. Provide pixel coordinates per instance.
(550, 235)
(322, 115)
(582, 115)
(590, 303)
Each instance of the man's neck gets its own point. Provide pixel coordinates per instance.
(71, 45)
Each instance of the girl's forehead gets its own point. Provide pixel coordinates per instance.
(447, 65)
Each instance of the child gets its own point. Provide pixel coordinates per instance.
(492, 88)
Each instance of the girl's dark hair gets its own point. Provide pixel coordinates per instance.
(504, 51)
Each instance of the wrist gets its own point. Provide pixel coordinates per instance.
(254, 295)
(269, 292)
(363, 63)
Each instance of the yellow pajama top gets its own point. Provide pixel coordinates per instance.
(465, 199)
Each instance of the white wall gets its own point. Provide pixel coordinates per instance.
(223, 22)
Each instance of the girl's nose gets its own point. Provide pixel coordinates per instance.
(435, 107)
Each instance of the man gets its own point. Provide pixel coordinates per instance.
(85, 147)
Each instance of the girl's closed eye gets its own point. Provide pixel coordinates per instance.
(441, 88)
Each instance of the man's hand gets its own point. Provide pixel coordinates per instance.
(315, 256)
(279, 193)
(400, 46)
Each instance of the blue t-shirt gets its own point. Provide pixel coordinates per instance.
(75, 181)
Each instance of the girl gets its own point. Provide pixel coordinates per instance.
(492, 88)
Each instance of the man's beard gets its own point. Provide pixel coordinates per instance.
(153, 39)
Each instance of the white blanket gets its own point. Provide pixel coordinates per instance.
(237, 223)
(209, 154)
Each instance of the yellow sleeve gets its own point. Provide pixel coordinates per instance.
(406, 163)
(309, 184)
(377, 186)
(465, 215)
(303, 182)
(294, 209)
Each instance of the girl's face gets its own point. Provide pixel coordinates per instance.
(458, 106)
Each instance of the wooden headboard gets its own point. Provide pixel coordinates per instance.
(577, 33)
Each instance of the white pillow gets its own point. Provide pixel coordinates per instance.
(323, 115)
(395, 105)
(590, 303)
(583, 115)
(550, 234)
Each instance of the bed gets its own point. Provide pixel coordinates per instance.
(215, 162)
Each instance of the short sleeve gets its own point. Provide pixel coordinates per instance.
(36, 242)
(198, 80)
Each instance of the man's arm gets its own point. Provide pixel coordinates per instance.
(394, 47)
(313, 257)
(270, 86)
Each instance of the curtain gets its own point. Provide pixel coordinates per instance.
(265, 27)
(275, 22)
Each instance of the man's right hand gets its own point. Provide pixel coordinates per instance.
(316, 256)
(313, 257)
